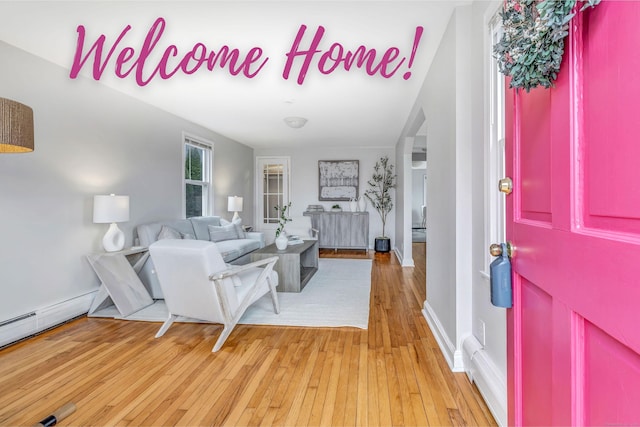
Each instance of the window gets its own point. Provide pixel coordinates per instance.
(272, 182)
(198, 174)
(495, 156)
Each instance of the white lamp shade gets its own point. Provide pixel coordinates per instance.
(234, 204)
(111, 208)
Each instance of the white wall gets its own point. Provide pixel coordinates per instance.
(304, 179)
(88, 140)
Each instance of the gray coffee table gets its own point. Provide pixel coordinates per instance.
(296, 264)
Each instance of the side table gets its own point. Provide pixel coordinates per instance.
(118, 272)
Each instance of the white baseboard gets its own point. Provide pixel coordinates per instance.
(44, 318)
(452, 355)
(492, 385)
(403, 262)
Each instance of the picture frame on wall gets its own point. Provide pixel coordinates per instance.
(338, 180)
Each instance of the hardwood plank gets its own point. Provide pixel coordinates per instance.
(398, 411)
(362, 412)
(117, 373)
(341, 414)
(330, 405)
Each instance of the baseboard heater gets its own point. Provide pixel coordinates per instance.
(29, 324)
(17, 319)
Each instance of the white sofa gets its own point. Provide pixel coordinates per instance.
(234, 244)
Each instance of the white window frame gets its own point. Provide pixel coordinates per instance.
(207, 173)
(495, 213)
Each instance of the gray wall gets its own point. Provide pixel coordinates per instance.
(438, 99)
(89, 140)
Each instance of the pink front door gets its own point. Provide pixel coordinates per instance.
(574, 219)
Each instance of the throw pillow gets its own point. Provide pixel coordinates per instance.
(238, 224)
(168, 233)
(239, 231)
(222, 233)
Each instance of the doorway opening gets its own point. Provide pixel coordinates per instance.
(419, 186)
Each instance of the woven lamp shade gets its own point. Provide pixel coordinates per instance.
(16, 127)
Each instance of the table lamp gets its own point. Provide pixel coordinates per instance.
(235, 206)
(110, 210)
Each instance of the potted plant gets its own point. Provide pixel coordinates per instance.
(379, 194)
(281, 235)
(336, 208)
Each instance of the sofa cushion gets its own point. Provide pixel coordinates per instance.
(201, 225)
(232, 249)
(223, 232)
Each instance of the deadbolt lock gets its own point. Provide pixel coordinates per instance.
(505, 185)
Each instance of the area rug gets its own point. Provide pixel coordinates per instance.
(337, 295)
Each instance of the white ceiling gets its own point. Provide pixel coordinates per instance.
(342, 108)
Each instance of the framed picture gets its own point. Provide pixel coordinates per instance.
(338, 179)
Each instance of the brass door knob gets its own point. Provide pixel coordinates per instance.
(496, 249)
(505, 185)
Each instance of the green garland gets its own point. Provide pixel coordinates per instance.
(532, 44)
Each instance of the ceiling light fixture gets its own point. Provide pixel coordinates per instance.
(295, 122)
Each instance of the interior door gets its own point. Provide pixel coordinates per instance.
(574, 219)
(272, 189)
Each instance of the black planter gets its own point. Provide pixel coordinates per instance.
(382, 244)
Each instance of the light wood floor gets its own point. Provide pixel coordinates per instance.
(118, 374)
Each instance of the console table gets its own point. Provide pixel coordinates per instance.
(341, 230)
(296, 264)
(118, 272)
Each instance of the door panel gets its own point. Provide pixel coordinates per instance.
(537, 325)
(612, 379)
(611, 138)
(574, 219)
(535, 172)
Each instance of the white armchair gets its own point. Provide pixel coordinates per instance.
(197, 283)
(301, 226)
